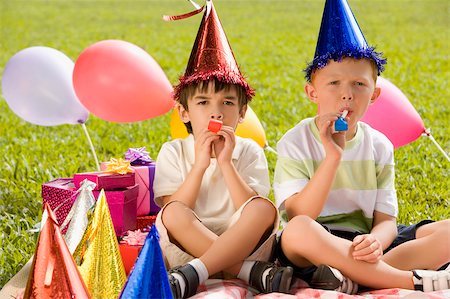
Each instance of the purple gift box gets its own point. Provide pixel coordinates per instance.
(61, 194)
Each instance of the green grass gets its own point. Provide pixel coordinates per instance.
(272, 41)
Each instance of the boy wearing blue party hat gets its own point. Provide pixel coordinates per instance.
(334, 180)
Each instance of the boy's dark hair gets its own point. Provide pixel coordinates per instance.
(187, 92)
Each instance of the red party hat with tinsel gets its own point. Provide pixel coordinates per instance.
(54, 273)
(211, 56)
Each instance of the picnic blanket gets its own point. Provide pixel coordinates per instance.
(237, 289)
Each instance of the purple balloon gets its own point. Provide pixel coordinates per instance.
(37, 85)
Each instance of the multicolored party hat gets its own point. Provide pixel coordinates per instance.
(340, 36)
(98, 254)
(211, 56)
(54, 273)
(148, 279)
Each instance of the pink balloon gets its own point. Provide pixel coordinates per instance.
(394, 116)
(120, 82)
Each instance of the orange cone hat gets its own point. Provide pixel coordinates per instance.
(211, 55)
(54, 273)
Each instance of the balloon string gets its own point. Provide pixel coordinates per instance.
(428, 133)
(268, 148)
(91, 145)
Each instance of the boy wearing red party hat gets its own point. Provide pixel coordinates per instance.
(212, 185)
(334, 180)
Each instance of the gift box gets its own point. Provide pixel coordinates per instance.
(60, 194)
(144, 176)
(130, 245)
(122, 206)
(129, 255)
(105, 180)
(143, 222)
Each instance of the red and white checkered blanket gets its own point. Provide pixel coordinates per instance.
(237, 289)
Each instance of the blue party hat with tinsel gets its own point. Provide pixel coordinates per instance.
(148, 279)
(340, 36)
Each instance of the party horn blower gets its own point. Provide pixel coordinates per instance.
(148, 279)
(98, 255)
(214, 125)
(340, 124)
(54, 273)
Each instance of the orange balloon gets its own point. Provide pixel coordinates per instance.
(120, 82)
(250, 128)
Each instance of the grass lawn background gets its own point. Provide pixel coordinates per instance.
(272, 41)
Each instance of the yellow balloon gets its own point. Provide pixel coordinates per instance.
(177, 127)
(250, 128)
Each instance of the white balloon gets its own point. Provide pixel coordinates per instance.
(37, 85)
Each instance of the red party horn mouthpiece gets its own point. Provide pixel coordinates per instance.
(214, 125)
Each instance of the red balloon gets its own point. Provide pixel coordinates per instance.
(120, 82)
(393, 115)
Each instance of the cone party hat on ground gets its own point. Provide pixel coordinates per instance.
(98, 254)
(211, 56)
(340, 36)
(77, 219)
(54, 273)
(148, 279)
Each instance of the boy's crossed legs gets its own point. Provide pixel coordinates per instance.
(431, 244)
(315, 245)
(227, 252)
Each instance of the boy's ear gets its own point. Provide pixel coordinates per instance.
(311, 92)
(183, 113)
(242, 113)
(375, 95)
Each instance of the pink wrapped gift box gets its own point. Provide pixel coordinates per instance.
(144, 176)
(61, 194)
(105, 180)
(122, 206)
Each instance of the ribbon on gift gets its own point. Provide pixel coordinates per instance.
(134, 238)
(119, 166)
(138, 156)
(65, 200)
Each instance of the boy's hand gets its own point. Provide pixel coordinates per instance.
(224, 146)
(203, 148)
(367, 248)
(333, 144)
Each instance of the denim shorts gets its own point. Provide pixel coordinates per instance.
(405, 233)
